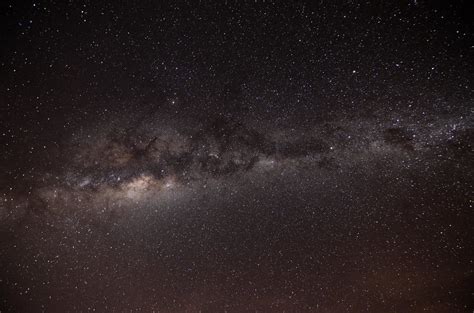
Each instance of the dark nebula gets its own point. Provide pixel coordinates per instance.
(236, 156)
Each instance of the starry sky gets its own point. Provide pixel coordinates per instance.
(236, 156)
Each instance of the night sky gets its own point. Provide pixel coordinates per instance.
(236, 156)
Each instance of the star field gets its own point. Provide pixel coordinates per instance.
(236, 156)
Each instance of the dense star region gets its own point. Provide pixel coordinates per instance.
(236, 156)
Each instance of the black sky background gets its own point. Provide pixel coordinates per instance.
(236, 156)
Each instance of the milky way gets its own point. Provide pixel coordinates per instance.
(236, 157)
